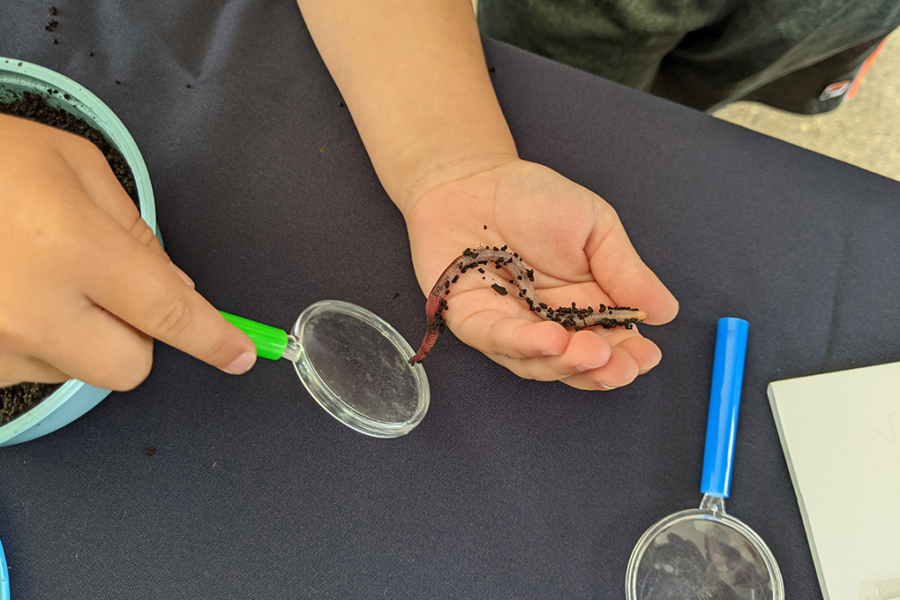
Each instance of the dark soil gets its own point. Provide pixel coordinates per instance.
(17, 399)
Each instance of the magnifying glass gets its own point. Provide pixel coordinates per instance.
(352, 362)
(705, 553)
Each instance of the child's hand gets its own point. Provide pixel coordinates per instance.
(579, 252)
(414, 77)
(84, 284)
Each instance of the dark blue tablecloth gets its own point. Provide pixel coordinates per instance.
(509, 488)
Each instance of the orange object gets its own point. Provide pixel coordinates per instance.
(862, 70)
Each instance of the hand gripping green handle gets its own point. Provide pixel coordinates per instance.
(270, 342)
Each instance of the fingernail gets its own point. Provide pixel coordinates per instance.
(183, 275)
(583, 367)
(605, 386)
(647, 370)
(550, 353)
(241, 364)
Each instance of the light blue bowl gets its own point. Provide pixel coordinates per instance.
(4, 576)
(74, 398)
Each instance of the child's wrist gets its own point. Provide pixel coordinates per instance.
(426, 175)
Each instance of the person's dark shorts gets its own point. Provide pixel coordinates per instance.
(804, 56)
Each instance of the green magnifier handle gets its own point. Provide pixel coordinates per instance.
(270, 342)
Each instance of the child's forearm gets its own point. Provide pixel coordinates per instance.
(413, 75)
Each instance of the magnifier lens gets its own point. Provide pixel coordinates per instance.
(693, 557)
(357, 368)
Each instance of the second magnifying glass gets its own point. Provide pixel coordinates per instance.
(705, 553)
(352, 362)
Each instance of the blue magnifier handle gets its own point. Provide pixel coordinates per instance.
(724, 402)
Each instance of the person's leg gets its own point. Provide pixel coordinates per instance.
(823, 86)
(784, 54)
(620, 40)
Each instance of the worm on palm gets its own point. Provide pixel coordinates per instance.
(523, 278)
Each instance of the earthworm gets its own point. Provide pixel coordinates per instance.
(523, 278)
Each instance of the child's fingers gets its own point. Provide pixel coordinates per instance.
(629, 356)
(28, 368)
(620, 370)
(496, 332)
(94, 346)
(645, 353)
(102, 186)
(139, 286)
(100, 183)
(622, 274)
(584, 351)
(544, 350)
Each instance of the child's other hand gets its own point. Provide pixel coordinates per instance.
(84, 284)
(580, 253)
